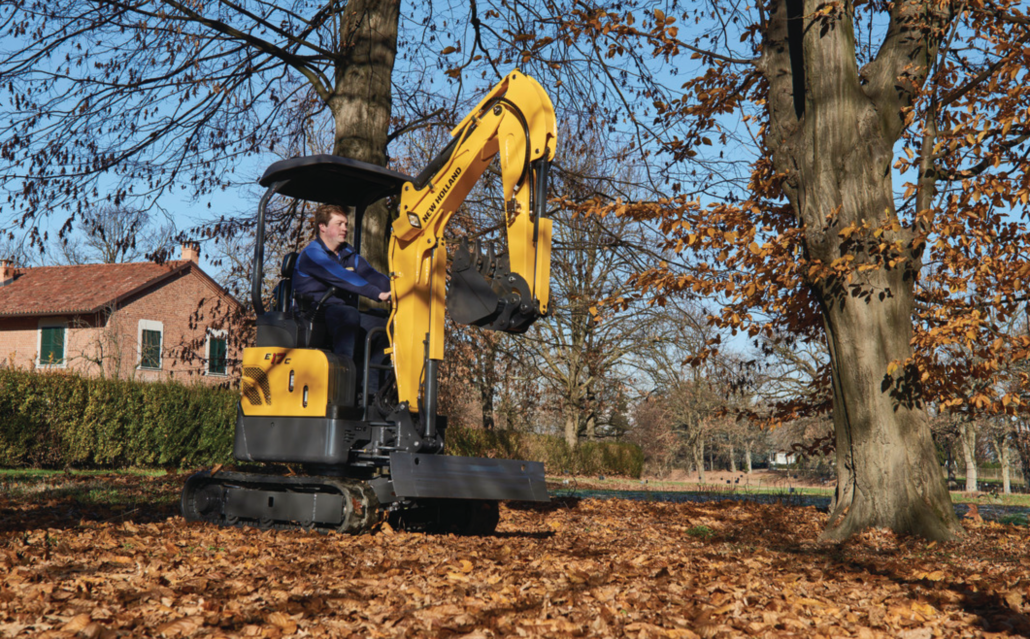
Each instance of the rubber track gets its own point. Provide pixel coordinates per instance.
(362, 510)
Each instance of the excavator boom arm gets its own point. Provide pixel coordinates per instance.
(515, 122)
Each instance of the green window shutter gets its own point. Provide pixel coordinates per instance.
(46, 344)
(51, 345)
(150, 349)
(58, 348)
(216, 356)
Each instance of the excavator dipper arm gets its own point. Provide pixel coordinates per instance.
(516, 122)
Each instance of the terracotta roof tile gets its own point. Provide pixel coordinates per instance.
(59, 290)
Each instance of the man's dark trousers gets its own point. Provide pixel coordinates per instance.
(343, 321)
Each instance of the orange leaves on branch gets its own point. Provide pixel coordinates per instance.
(966, 250)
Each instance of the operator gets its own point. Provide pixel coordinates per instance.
(330, 261)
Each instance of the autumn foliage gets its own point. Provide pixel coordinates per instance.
(962, 196)
(575, 568)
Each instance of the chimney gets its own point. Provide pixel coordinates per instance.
(191, 251)
(6, 271)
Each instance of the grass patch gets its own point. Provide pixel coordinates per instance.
(91, 489)
(18, 473)
(780, 489)
(1014, 520)
(623, 484)
(701, 532)
(1020, 500)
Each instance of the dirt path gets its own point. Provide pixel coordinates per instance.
(759, 478)
(718, 480)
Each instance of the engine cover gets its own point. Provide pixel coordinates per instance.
(294, 382)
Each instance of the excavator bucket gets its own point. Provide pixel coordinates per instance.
(470, 300)
(484, 292)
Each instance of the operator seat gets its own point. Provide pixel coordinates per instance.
(283, 327)
(282, 294)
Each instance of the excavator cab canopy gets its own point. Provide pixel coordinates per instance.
(326, 179)
(331, 179)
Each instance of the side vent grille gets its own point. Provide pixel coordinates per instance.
(254, 379)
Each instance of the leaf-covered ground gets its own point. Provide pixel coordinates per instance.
(111, 558)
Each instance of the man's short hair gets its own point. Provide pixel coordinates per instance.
(326, 211)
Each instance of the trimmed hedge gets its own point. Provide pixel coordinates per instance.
(589, 458)
(54, 420)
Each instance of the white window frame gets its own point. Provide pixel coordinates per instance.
(216, 334)
(51, 323)
(150, 325)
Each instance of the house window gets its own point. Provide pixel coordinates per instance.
(216, 352)
(150, 344)
(52, 344)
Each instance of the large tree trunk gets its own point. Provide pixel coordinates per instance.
(1021, 442)
(362, 100)
(1001, 447)
(888, 473)
(733, 459)
(571, 427)
(747, 457)
(1006, 465)
(967, 433)
(699, 458)
(831, 135)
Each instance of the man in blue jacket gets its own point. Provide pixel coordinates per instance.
(330, 261)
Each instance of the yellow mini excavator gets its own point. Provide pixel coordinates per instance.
(351, 458)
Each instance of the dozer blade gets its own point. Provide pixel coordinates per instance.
(446, 476)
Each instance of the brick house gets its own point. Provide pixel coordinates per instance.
(143, 320)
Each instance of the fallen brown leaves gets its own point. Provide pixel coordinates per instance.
(592, 568)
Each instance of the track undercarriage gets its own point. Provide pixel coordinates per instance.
(325, 504)
(353, 474)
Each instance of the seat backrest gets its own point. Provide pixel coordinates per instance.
(282, 294)
(289, 261)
